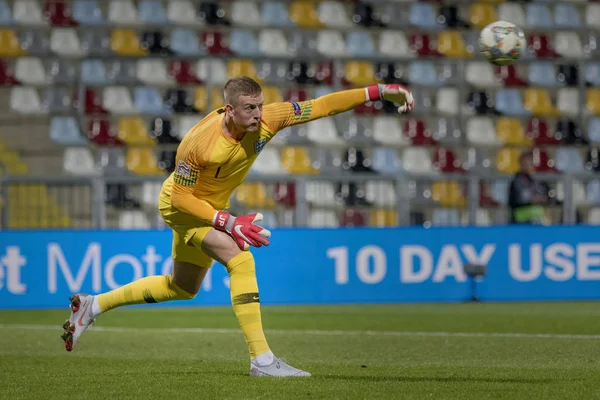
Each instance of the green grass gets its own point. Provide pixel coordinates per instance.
(149, 361)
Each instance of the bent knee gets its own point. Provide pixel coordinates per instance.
(220, 246)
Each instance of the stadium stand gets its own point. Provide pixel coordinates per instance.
(99, 93)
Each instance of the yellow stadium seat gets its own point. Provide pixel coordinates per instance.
(451, 44)
(507, 160)
(593, 101)
(142, 161)
(383, 218)
(13, 163)
(31, 206)
(271, 94)
(304, 14)
(448, 194)
(9, 44)
(201, 99)
(254, 195)
(296, 160)
(539, 103)
(483, 14)
(133, 130)
(242, 67)
(511, 132)
(360, 73)
(125, 42)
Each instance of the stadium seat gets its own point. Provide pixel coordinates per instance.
(142, 161)
(87, 12)
(57, 100)
(386, 161)
(383, 218)
(78, 161)
(592, 102)
(183, 74)
(359, 73)
(569, 133)
(418, 133)
(360, 44)
(5, 13)
(448, 194)
(481, 132)
(569, 160)
(25, 100)
(388, 131)
(65, 42)
(149, 101)
(101, 133)
(353, 217)
(395, 44)
(64, 131)
(185, 42)
(592, 15)
(538, 102)
(593, 191)
(448, 101)
(9, 44)
(133, 130)
(540, 45)
(62, 71)
(156, 43)
(182, 12)
(539, 16)
(133, 220)
(126, 43)
(507, 160)
(322, 219)
(538, 131)
(112, 161)
(153, 72)
(273, 42)
(117, 100)
(185, 123)
(511, 132)
(445, 217)
(594, 130)
(542, 161)
(481, 74)
(215, 69)
(296, 161)
(92, 102)
(509, 102)
(201, 99)
(254, 195)
(568, 44)
(512, 12)
(152, 12)
(499, 191)
(446, 161)
(122, 12)
(566, 16)
(122, 72)
(7, 75)
(28, 12)
(323, 131)
(58, 13)
(482, 217)
(271, 94)
(423, 73)
(30, 71)
(245, 13)
(448, 131)
(242, 67)
(302, 43)
(320, 194)
(381, 193)
(275, 13)
(333, 14)
(96, 43)
(417, 160)
(567, 101)
(451, 44)
(272, 72)
(542, 74)
(508, 74)
(450, 16)
(268, 162)
(243, 42)
(304, 14)
(422, 15)
(482, 14)
(213, 13)
(592, 74)
(331, 43)
(578, 192)
(162, 130)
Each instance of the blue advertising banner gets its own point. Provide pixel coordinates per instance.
(40, 269)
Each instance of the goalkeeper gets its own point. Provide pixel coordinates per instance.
(212, 160)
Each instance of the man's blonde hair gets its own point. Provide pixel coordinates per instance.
(240, 86)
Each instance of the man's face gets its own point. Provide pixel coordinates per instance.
(246, 112)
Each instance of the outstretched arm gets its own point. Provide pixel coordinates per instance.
(284, 114)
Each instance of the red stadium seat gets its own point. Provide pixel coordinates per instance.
(324, 72)
(215, 43)
(485, 196)
(508, 74)
(538, 131)
(101, 133)
(182, 72)
(92, 102)
(6, 75)
(296, 94)
(446, 161)
(58, 14)
(540, 44)
(285, 194)
(418, 134)
(351, 217)
(543, 162)
(420, 44)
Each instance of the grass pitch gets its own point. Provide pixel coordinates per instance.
(449, 351)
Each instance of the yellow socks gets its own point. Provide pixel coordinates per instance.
(152, 289)
(245, 301)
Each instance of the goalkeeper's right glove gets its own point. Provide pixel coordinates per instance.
(242, 229)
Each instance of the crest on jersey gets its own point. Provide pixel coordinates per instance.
(297, 108)
(183, 169)
(185, 174)
(258, 146)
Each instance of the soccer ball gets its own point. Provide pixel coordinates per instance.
(502, 43)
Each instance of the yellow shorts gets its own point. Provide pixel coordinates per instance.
(188, 233)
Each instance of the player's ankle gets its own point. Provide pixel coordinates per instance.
(95, 307)
(264, 359)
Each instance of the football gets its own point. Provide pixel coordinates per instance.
(502, 42)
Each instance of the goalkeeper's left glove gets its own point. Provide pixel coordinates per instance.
(392, 92)
(243, 229)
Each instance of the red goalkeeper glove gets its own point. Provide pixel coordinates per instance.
(392, 92)
(242, 229)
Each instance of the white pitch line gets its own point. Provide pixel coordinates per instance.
(315, 332)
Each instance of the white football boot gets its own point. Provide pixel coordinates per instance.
(278, 368)
(79, 321)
